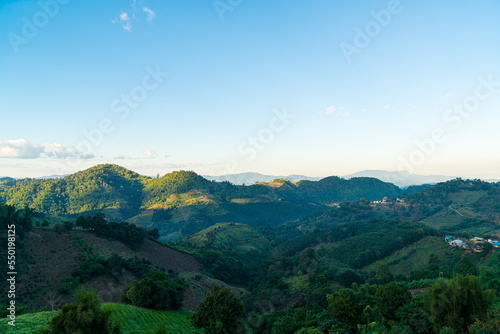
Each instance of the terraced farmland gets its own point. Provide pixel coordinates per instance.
(133, 320)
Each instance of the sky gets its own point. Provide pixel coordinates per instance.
(316, 87)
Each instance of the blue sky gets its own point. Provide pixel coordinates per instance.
(278, 87)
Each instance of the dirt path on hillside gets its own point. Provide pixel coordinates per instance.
(458, 212)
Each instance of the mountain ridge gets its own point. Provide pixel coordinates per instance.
(402, 179)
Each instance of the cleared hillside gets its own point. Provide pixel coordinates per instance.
(132, 320)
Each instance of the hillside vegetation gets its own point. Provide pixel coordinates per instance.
(132, 320)
(100, 187)
(182, 202)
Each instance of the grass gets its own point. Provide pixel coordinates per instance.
(298, 283)
(141, 218)
(412, 257)
(133, 320)
(139, 320)
(242, 238)
(27, 323)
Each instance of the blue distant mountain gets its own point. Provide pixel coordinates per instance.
(251, 178)
(401, 179)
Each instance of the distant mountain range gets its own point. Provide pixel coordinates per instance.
(4, 178)
(251, 178)
(401, 179)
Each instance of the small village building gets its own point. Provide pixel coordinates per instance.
(457, 242)
(477, 240)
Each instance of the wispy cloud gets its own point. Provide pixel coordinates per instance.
(126, 17)
(337, 111)
(387, 106)
(127, 26)
(149, 153)
(150, 13)
(23, 149)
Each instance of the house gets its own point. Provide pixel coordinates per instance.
(477, 240)
(493, 240)
(448, 238)
(472, 248)
(457, 242)
(476, 248)
(496, 244)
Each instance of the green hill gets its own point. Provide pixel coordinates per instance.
(132, 320)
(238, 239)
(457, 205)
(334, 189)
(183, 202)
(101, 187)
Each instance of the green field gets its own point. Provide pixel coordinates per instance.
(27, 323)
(412, 257)
(133, 320)
(240, 238)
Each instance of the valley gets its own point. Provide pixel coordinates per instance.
(280, 247)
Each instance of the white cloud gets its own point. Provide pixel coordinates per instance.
(151, 14)
(23, 149)
(149, 153)
(387, 106)
(20, 148)
(127, 26)
(125, 18)
(336, 111)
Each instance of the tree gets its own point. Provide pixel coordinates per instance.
(487, 248)
(348, 277)
(309, 330)
(416, 316)
(458, 302)
(433, 263)
(465, 266)
(154, 233)
(219, 313)
(390, 298)
(155, 291)
(84, 317)
(343, 306)
(45, 224)
(58, 227)
(285, 325)
(384, 274)
(68, 225)
(115, 262)
(82, 222)
(489, 326)
(52, 298)
(21, 219)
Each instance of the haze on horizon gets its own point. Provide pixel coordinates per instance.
(314, 88)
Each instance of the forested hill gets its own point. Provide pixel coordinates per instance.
(121, 193)
(97, 188)
(335, 189)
